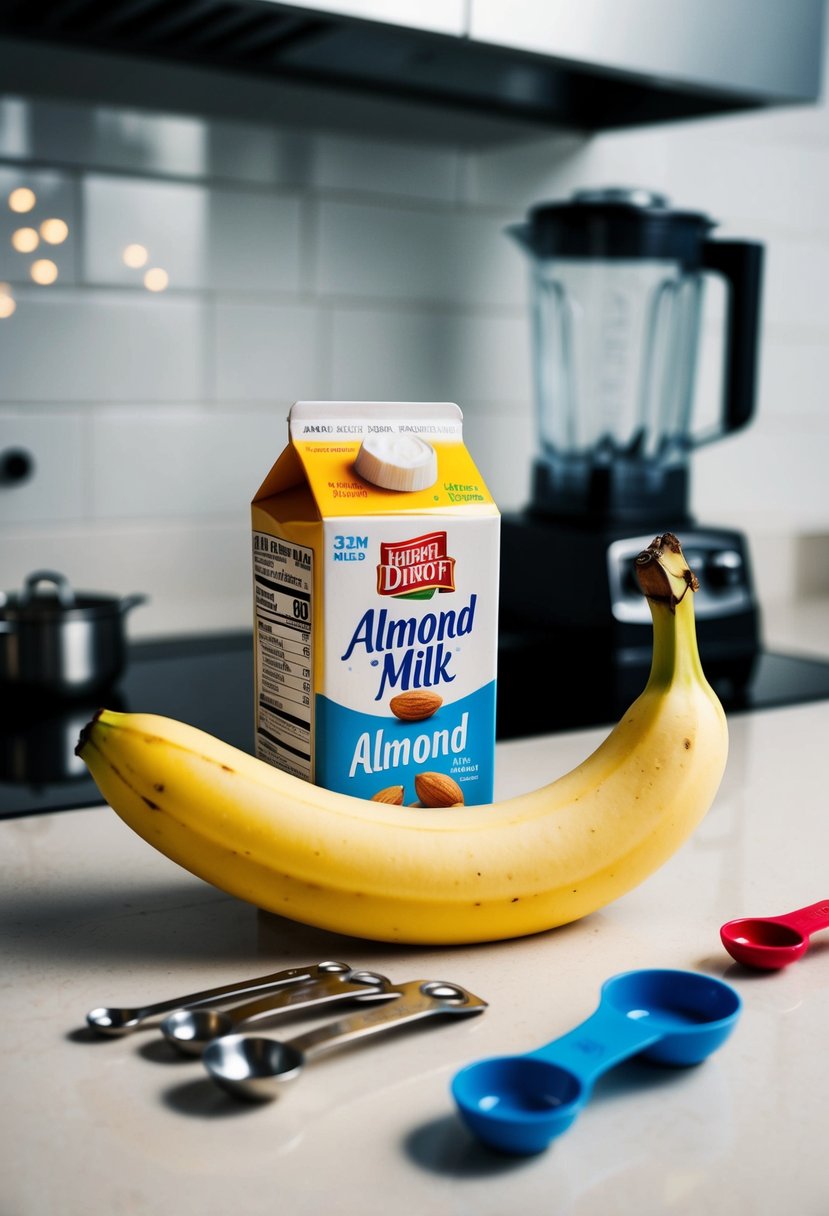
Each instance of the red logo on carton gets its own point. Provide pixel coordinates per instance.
(420, 564)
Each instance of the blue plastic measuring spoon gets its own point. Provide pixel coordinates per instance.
(519, 1103)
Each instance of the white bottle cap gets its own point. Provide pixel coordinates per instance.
(397, 462)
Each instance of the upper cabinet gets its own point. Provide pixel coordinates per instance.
(583, 64)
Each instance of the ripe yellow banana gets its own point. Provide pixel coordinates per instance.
(443, 876)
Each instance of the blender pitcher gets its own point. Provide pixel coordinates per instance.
(617, 289)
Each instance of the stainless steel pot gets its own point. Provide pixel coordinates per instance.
(62, 642)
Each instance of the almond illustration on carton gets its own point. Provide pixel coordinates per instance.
(436, 789)
(392, 795)
(416, 705)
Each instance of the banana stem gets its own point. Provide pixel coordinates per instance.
(675, 652)
(669, 584)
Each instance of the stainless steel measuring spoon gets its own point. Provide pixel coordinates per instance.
(190, 1030)
(258, 1069)
(118, 1020)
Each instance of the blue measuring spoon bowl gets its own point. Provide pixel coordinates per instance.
(519, 1103)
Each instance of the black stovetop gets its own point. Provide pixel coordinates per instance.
(208, 682)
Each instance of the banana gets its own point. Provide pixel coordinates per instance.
(443, 876)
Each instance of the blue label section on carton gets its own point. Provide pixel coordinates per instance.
(361, 754)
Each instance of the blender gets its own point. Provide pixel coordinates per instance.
(617, 282)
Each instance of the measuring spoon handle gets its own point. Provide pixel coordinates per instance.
(806, 920)
(313, 992)
(291, 975)
(410, 1002)
(599, 1043)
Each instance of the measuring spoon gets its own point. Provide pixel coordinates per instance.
(519, 1103)
(771, 942)
(117, 1020)
(258, 1069)
(190, 1030)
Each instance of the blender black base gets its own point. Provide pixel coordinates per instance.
(574, 622)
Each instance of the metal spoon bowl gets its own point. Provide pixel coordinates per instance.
(259, 1069)
(253, 1067)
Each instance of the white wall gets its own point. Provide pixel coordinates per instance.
(309, 265)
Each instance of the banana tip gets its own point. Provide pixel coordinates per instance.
(663, 573)
(86, 733)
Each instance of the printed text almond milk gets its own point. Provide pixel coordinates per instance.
(375, 564)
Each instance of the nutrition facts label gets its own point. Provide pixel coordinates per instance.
(283, 581)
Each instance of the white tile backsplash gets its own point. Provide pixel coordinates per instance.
(152, 462)
(502, 441)
(513, 176)
(204, 238)
(378, 355)
(97, 346)
(742, 183)
(15, 127)
(796, 278)
(58, 443)
(254, 241)
(426, 254)
(767, 474)
(242, 152)
(269, 352)
(794, 384)
(404, 169)
(168, 219)
(314, 264)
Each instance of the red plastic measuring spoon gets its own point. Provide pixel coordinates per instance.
(772, 942)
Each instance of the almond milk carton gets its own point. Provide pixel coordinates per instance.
(375, 568)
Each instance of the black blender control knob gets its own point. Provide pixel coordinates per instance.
(725, 569)
(16, 466)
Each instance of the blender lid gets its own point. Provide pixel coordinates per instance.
(622, 196)
(614, 222)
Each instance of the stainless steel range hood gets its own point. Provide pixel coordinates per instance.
(582, 64)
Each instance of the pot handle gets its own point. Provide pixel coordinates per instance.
(63, 588)
(132, 601)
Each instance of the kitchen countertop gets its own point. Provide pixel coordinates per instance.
(91, 915)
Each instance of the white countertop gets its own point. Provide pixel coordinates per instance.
(92, 915)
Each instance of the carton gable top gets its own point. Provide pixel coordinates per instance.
(325, 440)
